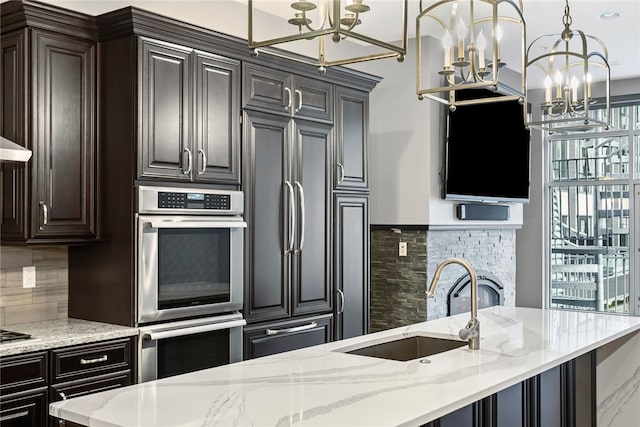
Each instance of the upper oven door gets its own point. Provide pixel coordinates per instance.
(188, 266)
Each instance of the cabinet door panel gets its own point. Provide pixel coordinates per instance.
(92, 385)
(65, 141)
(165, 111)
(312, 283)
(13, 177)
(352, 114)
(216, 119)
(312, 98)
(352, 265)
(24, 409)
(267, 212)
(264, 88)
(273, 338)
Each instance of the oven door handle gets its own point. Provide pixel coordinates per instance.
(291, 330)
(160, 335)
(196, 224)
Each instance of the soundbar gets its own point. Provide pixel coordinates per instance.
(477, 211)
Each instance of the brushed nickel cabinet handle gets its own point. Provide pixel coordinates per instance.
(302, 216)
(102, 358)
(292, 217)
(189, 162)
(62, 395)
(45, 215)
(289, 98)
(291, 330)
(14, 416)
(204, 162)
(299, 100)
(341, 305)
(341, 177)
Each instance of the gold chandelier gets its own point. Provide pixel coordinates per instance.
(469, 55)
(337, 19)
(569, 69)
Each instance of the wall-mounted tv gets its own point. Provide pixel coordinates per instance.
(487, 151)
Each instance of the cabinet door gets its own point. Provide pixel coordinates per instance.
(311, 284)
(312, 98)
(164, 146)
(266, 339)
(24, 409)
(267, 89)
(216, 119)
(269, 212)
(64, 119)
(352, 124)
(13, 175)
(351, 266)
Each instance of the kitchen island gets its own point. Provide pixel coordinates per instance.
(325, 386)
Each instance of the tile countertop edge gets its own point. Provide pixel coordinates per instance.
(322, 383)
(51, 334)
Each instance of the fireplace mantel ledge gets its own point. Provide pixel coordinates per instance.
(322, 386)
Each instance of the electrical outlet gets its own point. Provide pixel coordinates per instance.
(402, 249)
(29, 277)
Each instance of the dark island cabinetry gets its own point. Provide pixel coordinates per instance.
(49, 101)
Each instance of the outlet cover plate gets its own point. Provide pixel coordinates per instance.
(29, 277)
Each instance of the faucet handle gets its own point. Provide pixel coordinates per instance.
(471, 330)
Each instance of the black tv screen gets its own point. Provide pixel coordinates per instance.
(487, 151)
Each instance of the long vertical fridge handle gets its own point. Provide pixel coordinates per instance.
(292, 216)
(302, 216)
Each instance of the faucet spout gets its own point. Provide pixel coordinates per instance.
(471, 332)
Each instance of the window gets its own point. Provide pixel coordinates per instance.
(592, 181)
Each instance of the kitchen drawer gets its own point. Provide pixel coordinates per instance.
(93, 385)
(89, 360)
(24, 409)
(21, 372)
(277, 337)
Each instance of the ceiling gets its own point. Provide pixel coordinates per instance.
(621, 36)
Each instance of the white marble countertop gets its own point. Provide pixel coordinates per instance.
(61, 333)
(319, 386)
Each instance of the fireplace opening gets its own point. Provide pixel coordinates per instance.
(490, 292)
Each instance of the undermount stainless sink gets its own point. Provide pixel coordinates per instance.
(409, 348)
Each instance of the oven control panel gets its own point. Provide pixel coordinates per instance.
(189, 201)
(174, 200)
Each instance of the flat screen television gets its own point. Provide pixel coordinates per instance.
(487, 151)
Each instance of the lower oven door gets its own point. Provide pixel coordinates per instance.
(190, 345)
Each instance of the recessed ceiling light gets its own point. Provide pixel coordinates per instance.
(610, 15)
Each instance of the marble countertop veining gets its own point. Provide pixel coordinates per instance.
(319, 386)
(61, 333)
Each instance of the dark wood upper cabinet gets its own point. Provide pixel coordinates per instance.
(352, 124)
(190, 114)
(280, 92)
(49, 100)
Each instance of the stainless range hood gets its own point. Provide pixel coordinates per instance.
(11, 151)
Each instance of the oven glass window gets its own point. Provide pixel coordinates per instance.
(188, 353)
(193, 266)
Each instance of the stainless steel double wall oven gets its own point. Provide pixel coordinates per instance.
(189, 247)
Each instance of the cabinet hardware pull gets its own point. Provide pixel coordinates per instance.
(302, 217)
(14, 416)
(291, 330)
(341, 177)
(299, 100)
(102, 358)
(204, 161)
(62, 395)
(189, 162)
(45, 213)
(289, 98)
(292, 217)
(341, 305)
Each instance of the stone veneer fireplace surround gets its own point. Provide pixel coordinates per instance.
(398, 284)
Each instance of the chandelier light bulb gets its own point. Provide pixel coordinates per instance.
(446, 44)
(461, 31)
(548, 84)
(588, 79)
(558, 79)
(498, 38)
(574, 89)
(481, 43)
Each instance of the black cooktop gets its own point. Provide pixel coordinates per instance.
(6, 336)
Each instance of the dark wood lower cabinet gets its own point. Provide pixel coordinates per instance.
(25, 409)
(277, 337)
(550, 399)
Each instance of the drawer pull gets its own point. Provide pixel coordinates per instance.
(62, 395)
(291, 330)
(20, 414)
(92, 361)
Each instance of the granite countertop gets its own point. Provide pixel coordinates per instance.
(61, 333)
(322, 385)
